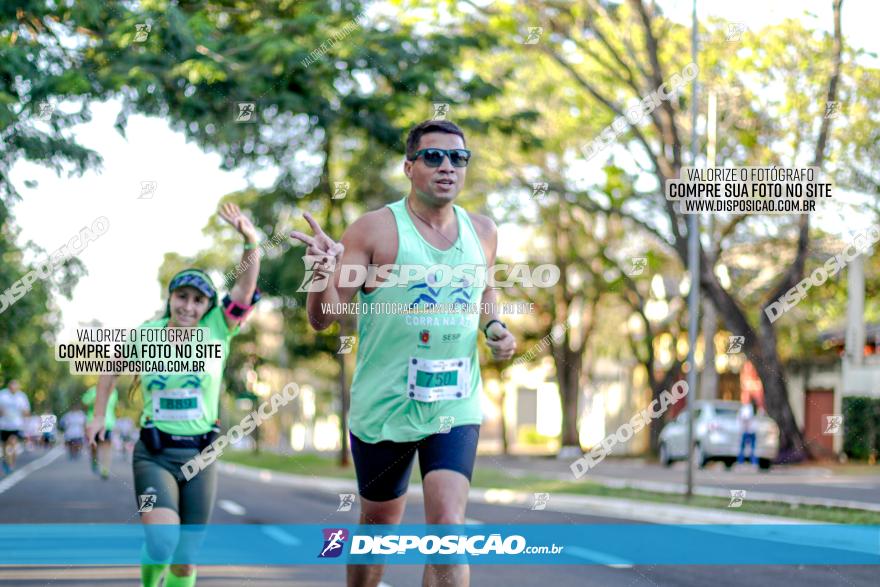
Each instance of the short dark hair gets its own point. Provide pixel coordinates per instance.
(428, 126)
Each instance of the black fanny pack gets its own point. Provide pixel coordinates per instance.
(155, 440)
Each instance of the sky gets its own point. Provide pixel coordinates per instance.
(858, 17)
(121, 288)
(124, 261)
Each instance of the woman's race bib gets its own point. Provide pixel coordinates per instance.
(431, 380)
(177, 404)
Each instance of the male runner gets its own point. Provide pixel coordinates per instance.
(14, 406)
(417, 382)
(101, 450)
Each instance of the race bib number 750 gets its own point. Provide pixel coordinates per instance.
(431, 380)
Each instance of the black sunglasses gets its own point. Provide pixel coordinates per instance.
(434, 157)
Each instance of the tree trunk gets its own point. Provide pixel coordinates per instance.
(656, 425)
(708, 387)
(567, 356)
(763, 353)
(345, 327)
(343, 424)
(657, 386)
(505, 447)
(568, 368)
(256, 450)
(792, 447)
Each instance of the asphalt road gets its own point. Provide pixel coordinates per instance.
(66, 491)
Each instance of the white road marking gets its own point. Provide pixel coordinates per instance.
(281, 536)
(230, 507)
(599, 557)
(9, 481)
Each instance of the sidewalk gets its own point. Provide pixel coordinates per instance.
(547, 467)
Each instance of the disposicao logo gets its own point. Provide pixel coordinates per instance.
(334, 541)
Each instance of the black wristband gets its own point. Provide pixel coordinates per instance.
(486, 329)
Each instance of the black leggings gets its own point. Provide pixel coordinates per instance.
(159, 475)
(383, 468)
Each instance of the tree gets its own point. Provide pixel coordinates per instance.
(42, 80)
(45, 90)
(643, 345)
(329, 90)
(612, 53)
(29, 323)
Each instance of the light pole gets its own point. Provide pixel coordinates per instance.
(694, 269)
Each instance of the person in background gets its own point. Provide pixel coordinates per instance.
(14, 407)
(73, 423)
(747, 426)
(126, 436)
(100, 450)
(47, 430)
(31, 431)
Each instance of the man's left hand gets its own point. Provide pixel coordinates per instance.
(501, 342)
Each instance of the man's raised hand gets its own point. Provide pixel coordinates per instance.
(323, 251)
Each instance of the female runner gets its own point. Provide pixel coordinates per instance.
(180, 416)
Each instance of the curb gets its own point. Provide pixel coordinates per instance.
(679, 488)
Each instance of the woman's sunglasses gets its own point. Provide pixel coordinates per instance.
(434, 157)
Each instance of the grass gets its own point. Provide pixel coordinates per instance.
(496, 478)
(301, 464)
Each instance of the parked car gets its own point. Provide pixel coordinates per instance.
(717, 436)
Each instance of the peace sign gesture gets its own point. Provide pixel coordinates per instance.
(324, 250)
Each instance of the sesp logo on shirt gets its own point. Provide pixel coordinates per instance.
(334, 541)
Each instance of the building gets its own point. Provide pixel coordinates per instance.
(850, 367)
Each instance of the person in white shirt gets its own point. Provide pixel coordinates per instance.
(31, 431)
(748, 427)
(14, 406)
(126, 435)
(74, 425)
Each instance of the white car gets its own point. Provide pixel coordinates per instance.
(717, 436)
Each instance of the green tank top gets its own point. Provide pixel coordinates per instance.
(187, 404)
(89, 398)
(418, 374)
